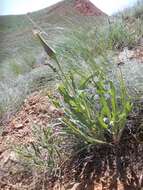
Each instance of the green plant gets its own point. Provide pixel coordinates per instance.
(16, 69)
(136, 11)
(45, 151)
(94, 111)
(119, 36)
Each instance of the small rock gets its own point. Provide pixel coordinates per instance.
(19, 126)
(13, 156)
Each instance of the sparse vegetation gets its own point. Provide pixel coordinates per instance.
(135, 11)
(46, 153)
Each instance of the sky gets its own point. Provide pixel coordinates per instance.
(23, 6)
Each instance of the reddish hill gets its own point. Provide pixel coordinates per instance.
(82, 7)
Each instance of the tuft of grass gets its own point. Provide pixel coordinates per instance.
(119, 36)
(45, 152)
(134, 12)
(133, 18)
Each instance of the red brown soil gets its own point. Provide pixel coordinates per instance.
(87, 8)
(36, 110)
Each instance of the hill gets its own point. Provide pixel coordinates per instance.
(84, 7)
(17, 27)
